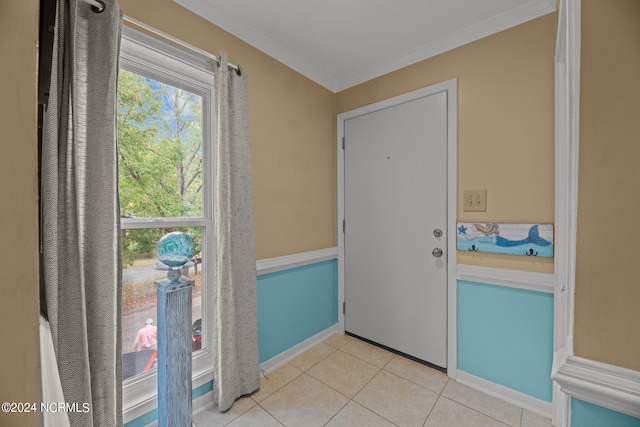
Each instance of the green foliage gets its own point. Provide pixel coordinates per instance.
(160, 157)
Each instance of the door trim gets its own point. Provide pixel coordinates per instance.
(567, 148)
(451, 89)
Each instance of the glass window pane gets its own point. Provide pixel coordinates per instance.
(139, 300)
(160, 148)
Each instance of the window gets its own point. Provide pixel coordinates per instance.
(165, 184)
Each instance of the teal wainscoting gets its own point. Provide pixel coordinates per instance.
(505, 335)
(293, 305)
(584, 414)
(143, 420)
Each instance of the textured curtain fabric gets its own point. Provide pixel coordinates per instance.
(237, 370)
(80, 214)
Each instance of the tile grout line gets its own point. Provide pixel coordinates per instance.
(339, 410)
(432, 408)
(350, 399)
(239, 415)
(365, 385)
(480, 412)
(477, 411)
(439, 395)
(281, 387)
(272, 415)
(521, 416)
(338, 391)
(413, 382)
(275, 391)
(303, 372)
(380, 369)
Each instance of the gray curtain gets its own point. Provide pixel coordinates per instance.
(80, 212)
(237, 369)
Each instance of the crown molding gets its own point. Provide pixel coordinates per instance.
(468, 35)
(263, 43)
(258, 40)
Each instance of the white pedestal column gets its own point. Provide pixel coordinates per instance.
(174, 352)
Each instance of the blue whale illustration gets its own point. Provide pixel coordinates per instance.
(532, 238)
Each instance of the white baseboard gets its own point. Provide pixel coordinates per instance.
(296, 350)
(203, 402)
(507, 394)
(605, 385)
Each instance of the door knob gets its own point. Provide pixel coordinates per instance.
(437, 232)
(437, 252)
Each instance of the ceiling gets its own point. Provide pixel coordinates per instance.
(341, 43)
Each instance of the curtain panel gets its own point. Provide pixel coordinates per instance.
(80, 215)
(236, 364)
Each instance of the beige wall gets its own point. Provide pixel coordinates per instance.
(18, 215)
(505, 124)
(505, 137)
(607, 313)
(505, 144)
(505, 131)
(292, 125)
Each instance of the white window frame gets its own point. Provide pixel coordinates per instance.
(192, 71)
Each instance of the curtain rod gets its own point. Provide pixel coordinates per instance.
(175, 40)
(99, 5)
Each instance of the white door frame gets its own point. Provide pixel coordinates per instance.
(567, 124)
(451, 88)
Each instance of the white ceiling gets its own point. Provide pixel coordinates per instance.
(341, 43)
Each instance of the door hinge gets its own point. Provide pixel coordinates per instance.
(343, 142)
(344, 307)
(344, 227)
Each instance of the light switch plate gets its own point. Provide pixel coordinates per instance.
(475, 200)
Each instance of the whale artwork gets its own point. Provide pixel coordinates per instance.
(506, 238)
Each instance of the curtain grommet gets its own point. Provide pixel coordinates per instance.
(96, 9)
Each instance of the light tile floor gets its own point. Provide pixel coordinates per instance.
(344, 382)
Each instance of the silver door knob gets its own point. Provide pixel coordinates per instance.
(437, 232)
(437, 252)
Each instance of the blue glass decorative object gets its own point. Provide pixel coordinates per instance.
(175, 250)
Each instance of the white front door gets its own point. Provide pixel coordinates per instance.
(395, 205)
